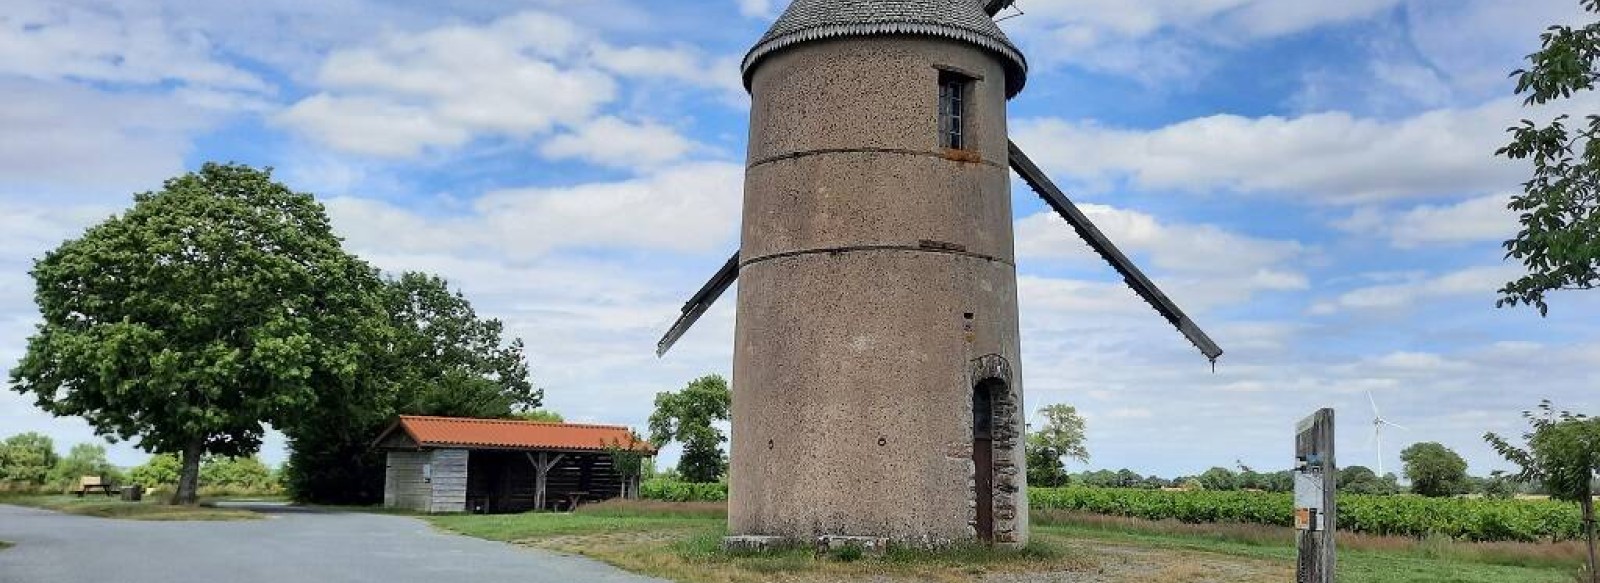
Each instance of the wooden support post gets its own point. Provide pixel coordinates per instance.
(541, 468)
(1316, 509)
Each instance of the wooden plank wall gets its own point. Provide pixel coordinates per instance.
(403, 484)
(449, 481)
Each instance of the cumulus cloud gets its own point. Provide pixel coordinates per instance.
(608, 141)
(1178, 247)
(1484, 218)
(518, 77)
(1471, 281)
(1156, 40)
(691, 207)
(113, 43)
(1330, 158)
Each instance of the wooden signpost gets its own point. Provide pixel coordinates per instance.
(1315, 509)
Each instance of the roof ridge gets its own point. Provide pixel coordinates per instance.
(516, 422)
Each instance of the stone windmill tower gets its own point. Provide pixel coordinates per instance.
(876, 389)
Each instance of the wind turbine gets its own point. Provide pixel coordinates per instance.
(1377, 430)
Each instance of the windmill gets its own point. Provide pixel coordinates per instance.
(1377, 430)
(875, 383)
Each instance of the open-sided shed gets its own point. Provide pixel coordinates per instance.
(448, 464)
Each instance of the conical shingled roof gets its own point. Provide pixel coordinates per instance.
(964, 20)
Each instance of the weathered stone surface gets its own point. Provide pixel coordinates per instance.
(871, 545)
(755, 543)
(878, 277)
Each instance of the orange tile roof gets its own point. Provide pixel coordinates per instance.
(513, 434)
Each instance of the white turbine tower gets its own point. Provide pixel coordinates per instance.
(1377, 430)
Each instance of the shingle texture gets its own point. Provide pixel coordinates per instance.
(509, 434)
(964, 20)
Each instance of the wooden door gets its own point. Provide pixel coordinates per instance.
(983, 458)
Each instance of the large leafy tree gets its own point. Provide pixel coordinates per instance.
(1060, 435)
(441, 358)
(1562, 456)
(1559, 242)
(27, 458)
(1434, 470)
(688, 417)
(212, 307)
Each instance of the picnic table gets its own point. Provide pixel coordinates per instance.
(87, 483)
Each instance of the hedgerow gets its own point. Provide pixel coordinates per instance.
(1460, 518)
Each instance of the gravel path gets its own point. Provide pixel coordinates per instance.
(290, 546)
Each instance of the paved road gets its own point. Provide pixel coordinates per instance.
(290, 546)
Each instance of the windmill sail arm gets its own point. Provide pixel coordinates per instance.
(699, 303)
(1102, 245)
(994, 7)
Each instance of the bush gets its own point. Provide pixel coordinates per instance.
(1459, 518)
(677, 491)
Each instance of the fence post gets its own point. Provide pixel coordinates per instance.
(1315, 507)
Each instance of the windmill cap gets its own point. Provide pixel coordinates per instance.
(962, 20)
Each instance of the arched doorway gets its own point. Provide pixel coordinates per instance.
(984, 394)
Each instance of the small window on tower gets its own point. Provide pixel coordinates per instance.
(953, 93)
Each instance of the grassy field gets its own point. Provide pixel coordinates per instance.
(107, 507)
(681, 542)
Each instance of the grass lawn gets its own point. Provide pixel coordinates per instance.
(109, 507)
(682, 542)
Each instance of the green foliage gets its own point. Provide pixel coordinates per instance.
(1462, 518)
(159, 470)
(442, 360)
(686, 417)
(626, 458)
(1563, 456)
(1563, 453)
(85, 459)
(1219, 479)
(1498, 486)
(1061, 435)
(221, 303)
(1559, 242)
(27, 458)
(1434, 470)
(540, 415)
(246, 474)
(1362, 480)
(672, 490)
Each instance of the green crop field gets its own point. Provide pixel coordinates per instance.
(1460, 518)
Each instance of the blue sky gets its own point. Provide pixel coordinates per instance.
(1313, 182)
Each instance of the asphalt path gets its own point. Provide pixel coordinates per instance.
(291, 545)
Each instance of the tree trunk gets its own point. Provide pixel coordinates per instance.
(1588, 527)
(189, 481)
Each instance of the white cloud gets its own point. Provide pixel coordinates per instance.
(691, 207)
(1176, 247)
(1157, 40)
(1481, 281)
(1328, 157)
(56, 136)
(518, 77)
(609, 141)
(756, 8)
(112, 43)
(1485, 218)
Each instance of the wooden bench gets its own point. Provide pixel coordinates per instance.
(87, 483)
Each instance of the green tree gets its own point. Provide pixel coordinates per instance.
(27, 458)
(1559, 242)
(439, 358)
(540, 415)
(687, 417)
(244, 473)
(210, 308)
(1060, 436)
(159, 470)
(1563, 456)
(84, 459)
(1499, 486)
(1219, 479)
(1362, 480)
(1434, 470)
